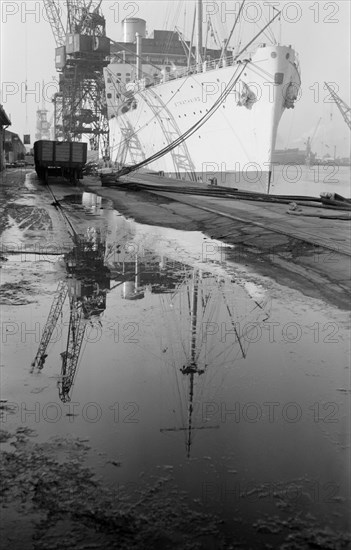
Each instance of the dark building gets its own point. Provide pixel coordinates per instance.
(4, 123)
(13, 147)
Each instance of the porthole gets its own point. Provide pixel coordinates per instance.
(274, 55)
(287, 56)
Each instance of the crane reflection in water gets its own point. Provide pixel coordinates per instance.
(86, 286)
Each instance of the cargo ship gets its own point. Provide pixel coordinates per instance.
(198, 114)
(292, 156)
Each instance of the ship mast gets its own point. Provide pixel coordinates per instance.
(199, 35)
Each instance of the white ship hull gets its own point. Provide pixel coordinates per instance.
(235, 144)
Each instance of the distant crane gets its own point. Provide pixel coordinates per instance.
(81, 55)
(344, 109)
(309, 153)
(43, 124)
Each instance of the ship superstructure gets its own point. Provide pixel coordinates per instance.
(221, 107)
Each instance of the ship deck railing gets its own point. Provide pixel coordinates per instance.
(204, 67)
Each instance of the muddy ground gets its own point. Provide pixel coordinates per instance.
(51, 500)
(50, 504)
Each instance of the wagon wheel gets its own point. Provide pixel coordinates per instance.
(73, 175)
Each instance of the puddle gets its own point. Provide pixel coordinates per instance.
(27, 182)
(90, 203)
(174, 360)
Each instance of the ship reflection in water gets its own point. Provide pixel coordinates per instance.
(203, 323)
(199, 330)
(200, 321)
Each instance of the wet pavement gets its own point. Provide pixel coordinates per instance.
(175, 363)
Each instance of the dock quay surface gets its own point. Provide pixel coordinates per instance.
(310, 244)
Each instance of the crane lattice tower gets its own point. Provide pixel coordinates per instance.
(82, 52)
(344, 109)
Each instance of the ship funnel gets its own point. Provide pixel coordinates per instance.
(132, 26)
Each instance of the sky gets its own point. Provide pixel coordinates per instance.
(318, 30)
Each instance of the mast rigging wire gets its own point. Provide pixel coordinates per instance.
(226, 42)
(191, 130)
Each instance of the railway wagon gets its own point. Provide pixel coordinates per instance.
(60, 158)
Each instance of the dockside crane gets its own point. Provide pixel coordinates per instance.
(344, 109)
(81, 55)
(53, 13)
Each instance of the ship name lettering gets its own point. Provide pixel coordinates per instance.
(185, 101)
